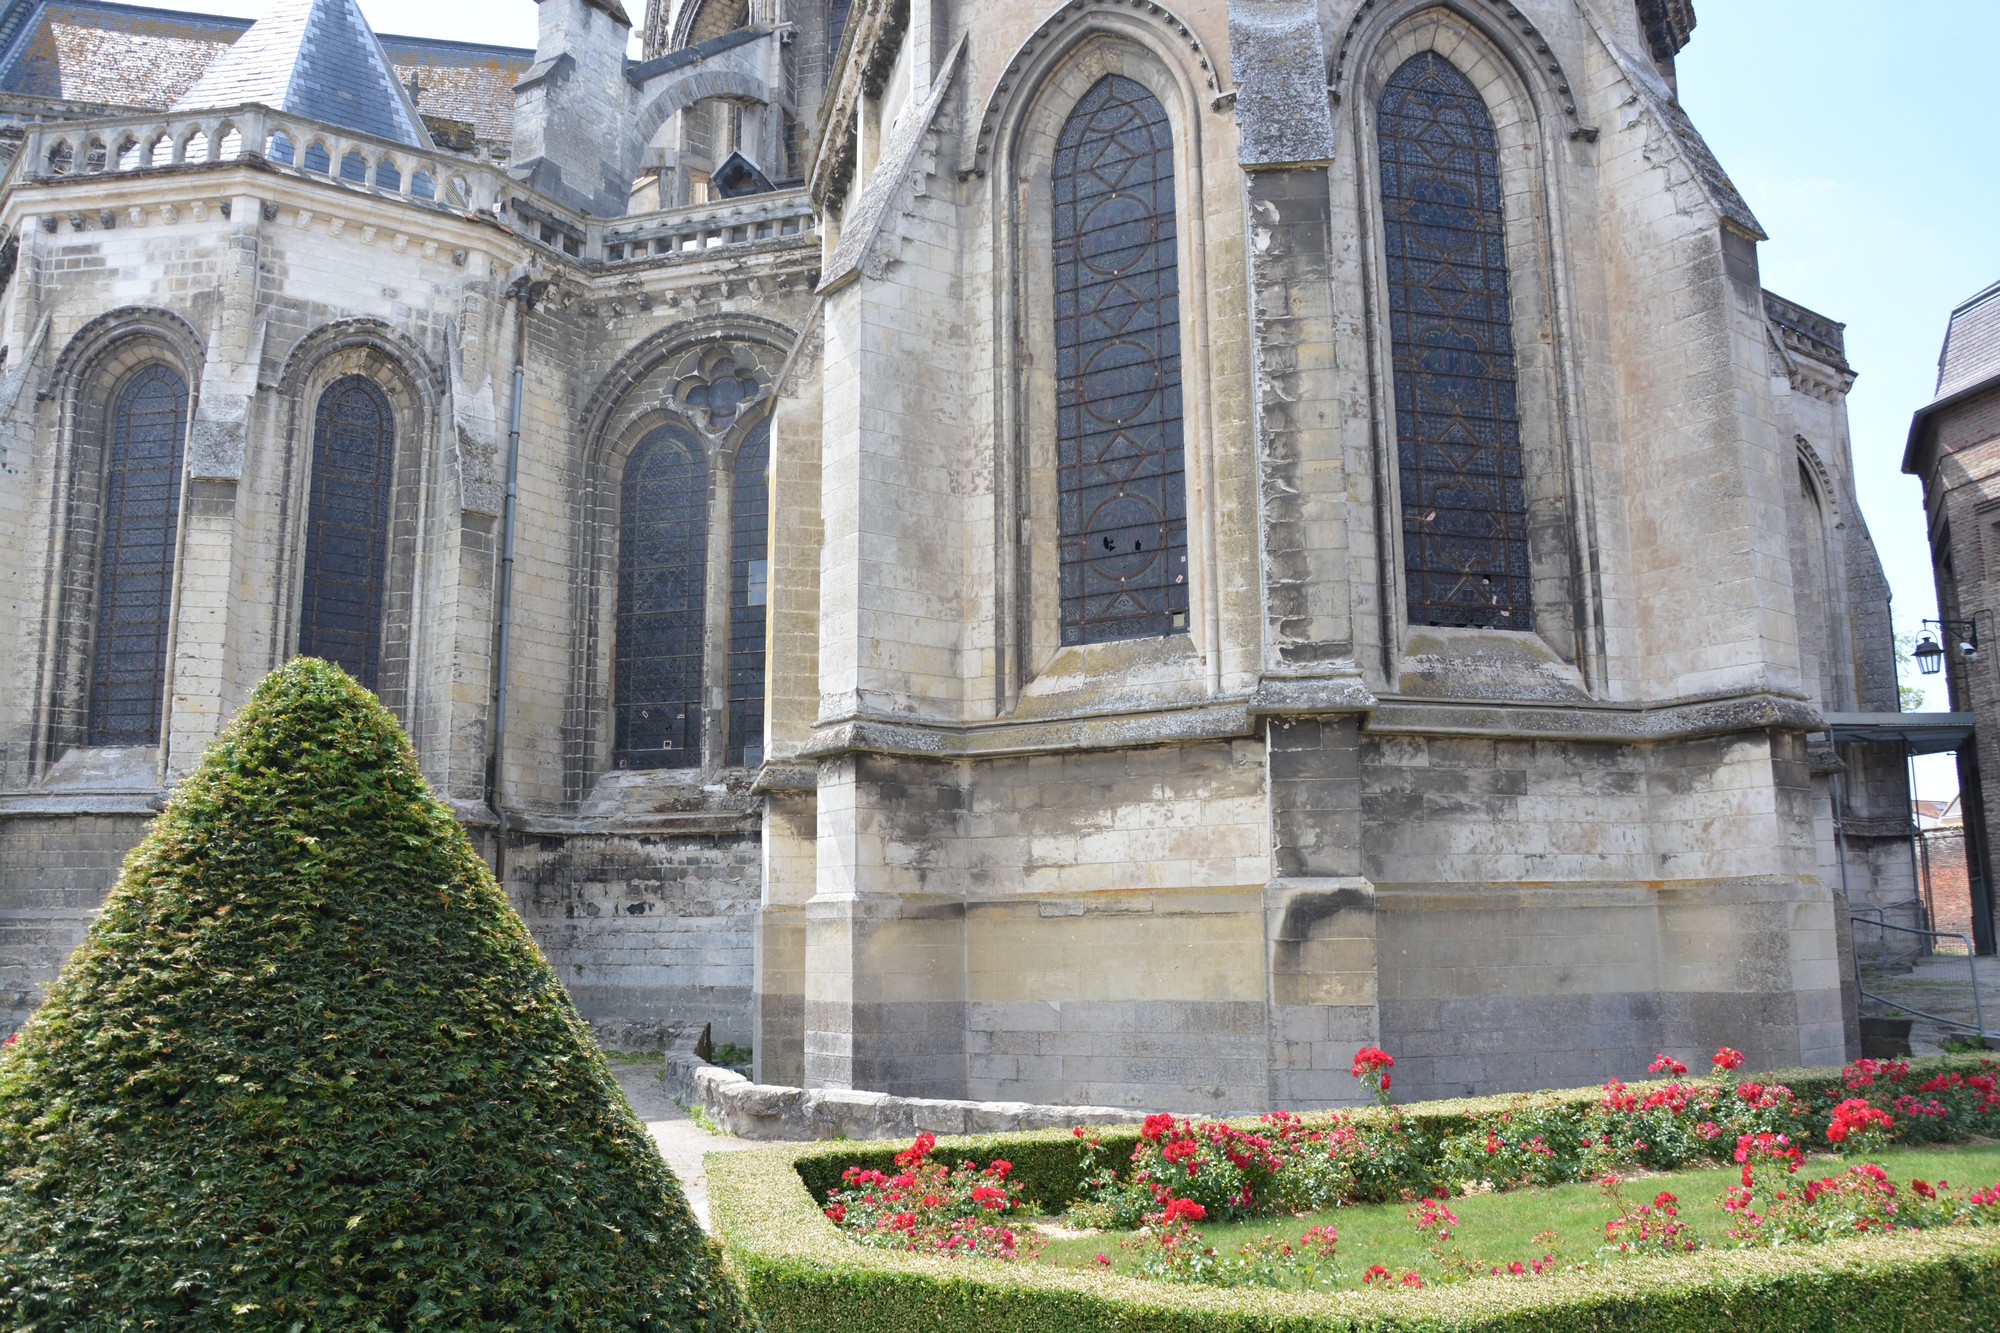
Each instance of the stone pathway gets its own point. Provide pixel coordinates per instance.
(1939, 985)
(682, 1142)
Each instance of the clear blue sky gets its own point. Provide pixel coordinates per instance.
(1863, 135)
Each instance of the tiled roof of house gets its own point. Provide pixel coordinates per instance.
(1972, 345)
(103, 54)
(112, 55)
(462, 81)
(313, 58)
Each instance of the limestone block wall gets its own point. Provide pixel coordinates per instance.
(55, 869)
(646, 932)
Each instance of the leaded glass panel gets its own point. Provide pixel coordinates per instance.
(749, 591)
(347, 528)
(135, 572)
(1120, 474)
(662, 596)
(1458, 429)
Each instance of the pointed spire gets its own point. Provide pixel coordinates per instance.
(318, 59)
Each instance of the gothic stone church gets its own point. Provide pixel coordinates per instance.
(1094, 551)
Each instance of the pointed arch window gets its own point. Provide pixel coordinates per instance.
(1458, 427)
(1120, 464)
(749, 592)
(135, 579)
(347, 528)
(662, 599)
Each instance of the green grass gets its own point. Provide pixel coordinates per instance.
(1497, 1228)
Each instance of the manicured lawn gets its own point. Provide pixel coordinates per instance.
(1498, 1228)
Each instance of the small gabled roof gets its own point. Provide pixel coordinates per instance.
(318, 59)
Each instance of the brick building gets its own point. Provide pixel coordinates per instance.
(1954, 447)
(1066, 550)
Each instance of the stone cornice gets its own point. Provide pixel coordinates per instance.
(1671, 720)
(1240, 716)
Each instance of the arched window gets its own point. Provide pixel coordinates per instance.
(135, 575)
(1120, 469)
(662, 596)
(347, 528)
(749, 588)
(1458, 429)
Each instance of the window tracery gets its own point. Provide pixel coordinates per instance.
(347, 528)
(135, 581)
(1458, 426)
(662, 596)
(1120, 461)
(749, 593)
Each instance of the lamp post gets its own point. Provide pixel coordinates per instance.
(1929, 653)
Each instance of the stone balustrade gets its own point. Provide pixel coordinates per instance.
(59, 150)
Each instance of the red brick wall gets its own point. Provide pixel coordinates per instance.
(1941, 855)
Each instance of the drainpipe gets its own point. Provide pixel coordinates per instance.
(504, 596)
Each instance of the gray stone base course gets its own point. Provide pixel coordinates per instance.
(799, 1115)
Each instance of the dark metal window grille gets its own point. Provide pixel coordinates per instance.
(1458, 429)
(662, 596)
(1120, 469)
(135, 573)
(749, 591)
(347, 528)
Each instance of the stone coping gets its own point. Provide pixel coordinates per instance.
(799, 1115)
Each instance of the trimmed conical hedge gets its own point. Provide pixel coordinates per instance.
(308, 1071)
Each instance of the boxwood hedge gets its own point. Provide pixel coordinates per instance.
(803, 1275)
(308, 1071)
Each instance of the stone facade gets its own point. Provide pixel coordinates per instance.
(966, 855)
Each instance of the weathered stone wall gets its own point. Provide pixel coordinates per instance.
(648, 932)
(55, 869)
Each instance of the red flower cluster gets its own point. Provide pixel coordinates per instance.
(1666, 1064)
(1371, 1068)
(1855, 1118)
(1183, 1210)
(1654, 1226)
(929, 1207)
(1728, 1060)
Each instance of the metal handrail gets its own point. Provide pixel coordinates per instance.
(1971, 967)
(1914, 904)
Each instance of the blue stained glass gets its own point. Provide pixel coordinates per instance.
(347, 528)
(662, 596)
(135, 578)
(1120, 466)
(749, 589)
(1458, 427)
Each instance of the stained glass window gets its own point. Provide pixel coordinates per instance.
(1458, 429)
(1120, 473)
(135, 573)
(749, 591)
(347, 528)
(662, 595)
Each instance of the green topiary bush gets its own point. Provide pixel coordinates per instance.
(309, 1071)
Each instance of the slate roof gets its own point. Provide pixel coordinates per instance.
(313, 58)
(1971, 354)
(104, 54)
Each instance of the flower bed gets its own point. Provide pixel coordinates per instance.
(805, 1274)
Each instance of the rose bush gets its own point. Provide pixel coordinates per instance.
(926, 1206)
